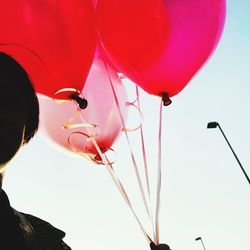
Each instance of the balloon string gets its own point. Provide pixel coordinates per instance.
(158, 200)
(119, 186)
(132, 104)
(109, 167)
(145, 161)
(72, 91)
(69, 124)
(129, 144)
(107, 163)
(117, 182)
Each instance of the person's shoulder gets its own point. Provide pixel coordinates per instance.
(44, 228)
(50, 237)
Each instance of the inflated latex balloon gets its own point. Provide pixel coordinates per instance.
(160, 44)
(72, 131)
(53, 40)
(94, 2)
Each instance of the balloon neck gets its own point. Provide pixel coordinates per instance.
(165, 99)
(83, 103)
(97, 158)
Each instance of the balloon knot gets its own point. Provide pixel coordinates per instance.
(97, 157)
(83, 103)
(165, 99)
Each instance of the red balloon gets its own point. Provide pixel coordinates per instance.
(101, 111)
(53, 40)
(94, 3)
(160, 44)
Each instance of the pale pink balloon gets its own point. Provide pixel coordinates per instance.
(101, 111)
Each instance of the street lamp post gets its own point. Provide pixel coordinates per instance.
(199, 238)
(216, 124)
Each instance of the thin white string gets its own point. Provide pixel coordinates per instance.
(130, 148)
(158, 200)
(116, 180)
(144, 154)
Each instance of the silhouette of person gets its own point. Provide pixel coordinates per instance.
(159, 247)
(19, 118)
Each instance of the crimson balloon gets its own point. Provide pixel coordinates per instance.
(53, 40)
(160, 44)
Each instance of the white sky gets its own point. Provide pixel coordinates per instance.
(204, 192)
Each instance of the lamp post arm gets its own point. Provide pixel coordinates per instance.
(243, 170)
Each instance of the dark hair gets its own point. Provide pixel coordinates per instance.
(11, 69)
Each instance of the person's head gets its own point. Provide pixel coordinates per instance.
(19, 109)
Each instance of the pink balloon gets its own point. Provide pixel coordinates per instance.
(101, 111)
(179, 36)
